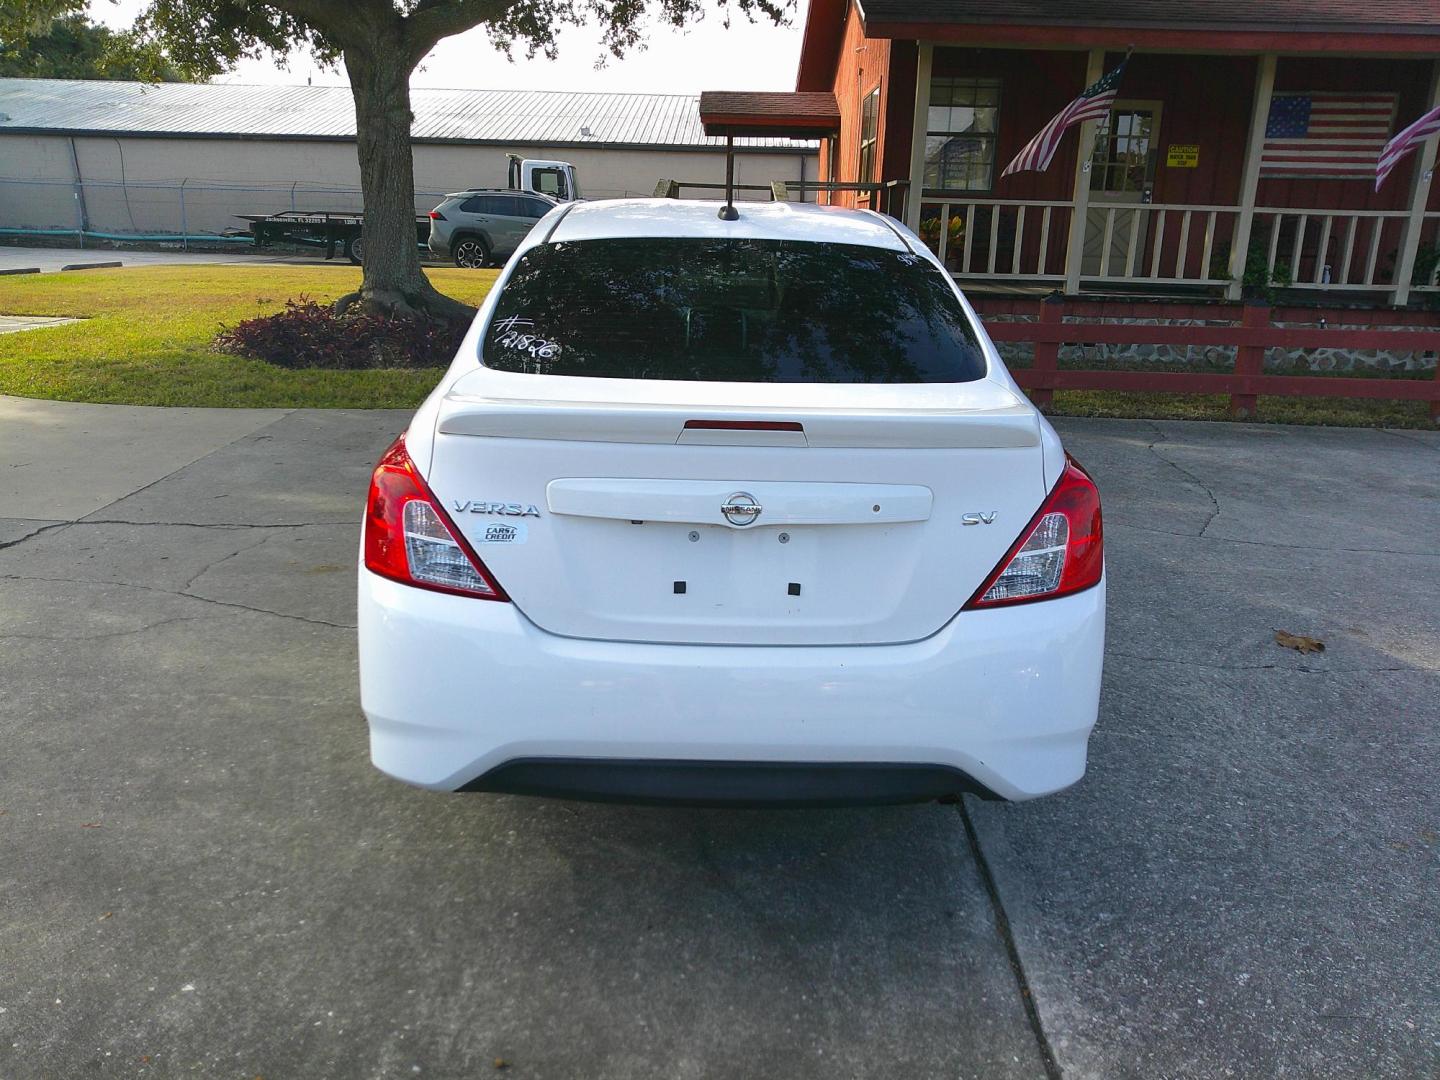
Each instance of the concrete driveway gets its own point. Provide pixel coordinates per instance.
(200, 874)
(16, 258)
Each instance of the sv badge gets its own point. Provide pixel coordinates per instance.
(979, 518)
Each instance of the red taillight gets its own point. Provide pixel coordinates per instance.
(436, 215)
(1061, 551)
(409, 538)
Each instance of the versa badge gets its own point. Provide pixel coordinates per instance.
(508, 509)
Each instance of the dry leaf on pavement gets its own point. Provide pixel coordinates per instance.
(1299, 642)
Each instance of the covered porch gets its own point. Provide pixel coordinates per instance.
(1213, 171)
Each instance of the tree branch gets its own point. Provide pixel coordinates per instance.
(337, 19)
(431, 22)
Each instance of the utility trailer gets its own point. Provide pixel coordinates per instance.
(321, 228)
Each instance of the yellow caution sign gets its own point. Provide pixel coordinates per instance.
(1182, 155)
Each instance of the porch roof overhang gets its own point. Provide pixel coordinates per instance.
(1296, 27)
(795, 115)
(1295, 40)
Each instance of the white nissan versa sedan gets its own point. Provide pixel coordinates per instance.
(730, 512)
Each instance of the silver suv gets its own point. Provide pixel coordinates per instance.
(482, 227)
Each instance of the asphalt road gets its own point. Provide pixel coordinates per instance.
(15, 258)
(200, 874)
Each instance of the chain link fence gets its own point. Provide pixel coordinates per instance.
(182, 211)
(186, 211)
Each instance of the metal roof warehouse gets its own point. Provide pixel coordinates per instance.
(129, 146)
(532, 117)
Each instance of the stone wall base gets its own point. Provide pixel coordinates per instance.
(1022, 353)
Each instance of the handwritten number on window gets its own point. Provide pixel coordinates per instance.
(517, 333)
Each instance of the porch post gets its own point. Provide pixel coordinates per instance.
(1419, 196)
(1250, 177)
(1075, 248)
(924, 64)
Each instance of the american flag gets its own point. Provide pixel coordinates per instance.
(1403, 143)
(1326, 134)
(1093, 104)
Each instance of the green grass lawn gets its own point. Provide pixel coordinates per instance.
(147, 333)
(1334, 412)
(148, 330)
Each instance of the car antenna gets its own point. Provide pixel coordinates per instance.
(728, 211)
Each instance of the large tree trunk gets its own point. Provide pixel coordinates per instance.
(393, 280)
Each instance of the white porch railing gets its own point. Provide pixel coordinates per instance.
(1174, 244)
(989, 239)
(1328, 249)
(1132, 238)
(1427, 260)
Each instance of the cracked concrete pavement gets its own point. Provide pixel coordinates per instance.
(200, 874)
(1247, 881)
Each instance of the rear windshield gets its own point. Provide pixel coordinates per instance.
(731, 311)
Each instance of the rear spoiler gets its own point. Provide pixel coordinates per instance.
(603, 422)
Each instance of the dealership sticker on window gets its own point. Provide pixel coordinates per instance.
(517, 333)
(503, 534)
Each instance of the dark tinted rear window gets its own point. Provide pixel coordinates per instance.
(731, 311)
(499, 205)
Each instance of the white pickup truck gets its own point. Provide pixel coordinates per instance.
(556, 179)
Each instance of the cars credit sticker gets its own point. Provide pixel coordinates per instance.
(503, 534)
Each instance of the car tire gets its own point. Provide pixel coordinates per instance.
(355, 250)
(471, 253)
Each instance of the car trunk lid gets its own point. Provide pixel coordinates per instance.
(736, 514)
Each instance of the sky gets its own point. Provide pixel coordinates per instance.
(704, 57)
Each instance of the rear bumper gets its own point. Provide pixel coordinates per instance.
(728, 783)
(462, 693)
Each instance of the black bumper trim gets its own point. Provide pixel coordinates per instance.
(728, 783)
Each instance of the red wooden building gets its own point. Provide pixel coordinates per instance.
(1241, 147)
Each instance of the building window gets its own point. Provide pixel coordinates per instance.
(869, 132)
(1123, 160)
(960, 134)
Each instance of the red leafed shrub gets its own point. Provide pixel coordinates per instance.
(311, 335)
